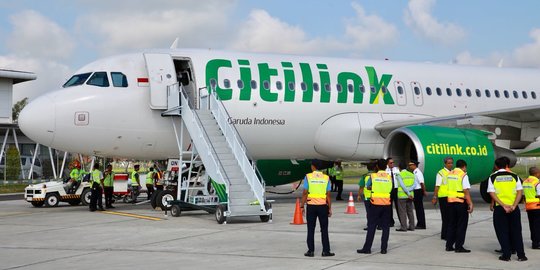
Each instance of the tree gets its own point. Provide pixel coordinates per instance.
(13, 163)
(17, 108)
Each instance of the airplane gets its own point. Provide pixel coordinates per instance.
(291, 109)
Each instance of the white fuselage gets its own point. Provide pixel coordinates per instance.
(119, 121)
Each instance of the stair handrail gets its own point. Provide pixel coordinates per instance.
(204, 135)
(238, 146)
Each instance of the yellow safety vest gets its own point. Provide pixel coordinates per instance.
(381, 186)
(76, 174)
(505, 187)
(529, 189)
(95, 177)
(408, 180)
(150, 178)
(338, 173)
(443, 188)
(108, 180)
(455, 186)
(367, 192)
(134, 179)
(317, 188)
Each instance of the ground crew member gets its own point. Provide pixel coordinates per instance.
(332, 174)
(96, 182)
(531, 189)
(458, 207)
(380, 184)
(135, 183)
(363, 191)
(157, 179)
(338, 174)
(392, 171)
(75, 177)
(419, 193)
(405, 195)
(108, 186)
(317, 196)
(506, 190)
(150, 183)
(440, 193)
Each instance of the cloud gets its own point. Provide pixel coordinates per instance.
(369, 31)
(34, 35)
(528, 55)
(144, 25)
(418, 17)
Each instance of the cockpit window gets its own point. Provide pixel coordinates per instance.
(99, 79)
(119, 79)
(77, 79)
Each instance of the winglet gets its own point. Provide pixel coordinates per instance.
(174, 45)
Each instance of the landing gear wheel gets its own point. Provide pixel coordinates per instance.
(266, 218)
(175, 210)
(38, 203)
(153, 199)
(74, 203)
(483, 191)
(220, 213)
(163, 198)
(52, 200)
(86, 195)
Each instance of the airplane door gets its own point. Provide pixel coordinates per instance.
(400, 93)
(417, 94)
(161, 73)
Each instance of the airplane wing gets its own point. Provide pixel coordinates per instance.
(523, 115)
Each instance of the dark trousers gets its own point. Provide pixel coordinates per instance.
(95, 199)
(394, 199)
(332, 183)
(149, 190)
(312, 213)
(378, 215)
(508, 230)
(444, 216)
(339, 187)
(134, 193)
(419, 208)
(367, 205)
(534, 226)
(159, 187)
(108, 191)
(458, 219)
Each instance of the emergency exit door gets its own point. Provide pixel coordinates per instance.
(161, 73)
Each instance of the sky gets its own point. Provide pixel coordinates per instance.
(54, 38)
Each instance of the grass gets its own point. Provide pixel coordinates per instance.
(12, 188)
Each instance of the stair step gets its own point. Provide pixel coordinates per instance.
(241, 195)
(243, 201)
(249, 210)
(239, 188)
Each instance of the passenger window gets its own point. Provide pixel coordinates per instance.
(524, 94)
(458, 92)
(213, 84)
(227, 83)
(497, 94)
(266, 85)
(488, 93)
(373, 89)
(253, 84)
(468, 92)
(506, 94)
(315, 87)
(478, 93)
(303, 86)
(439, 91)
(400, 90)
(362, 89)
(416, 90)
(99, 79)
(119, 79)
(291, 86)
(351, 88)
(516, 95)
(77, 79)
(240, 84)
(279, 85)
(327, 87)
(428, 91)
(338, 88)
(533, 94)
(449, 92)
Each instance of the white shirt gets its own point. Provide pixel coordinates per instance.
(465, 183)
(418, 178)
(438, 179)
(491, 188)
(394, 171)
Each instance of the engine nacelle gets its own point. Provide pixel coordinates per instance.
(431, 144)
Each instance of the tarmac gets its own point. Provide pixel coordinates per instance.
(137, 237)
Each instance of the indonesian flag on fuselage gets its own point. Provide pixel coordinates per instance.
(143, 82)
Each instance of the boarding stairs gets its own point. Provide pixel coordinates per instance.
(220, 148)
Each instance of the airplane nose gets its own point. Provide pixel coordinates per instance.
(37, 120)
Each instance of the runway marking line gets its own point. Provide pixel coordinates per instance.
(131, 215)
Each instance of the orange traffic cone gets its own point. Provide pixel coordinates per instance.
(350, 206)
(298, 219)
